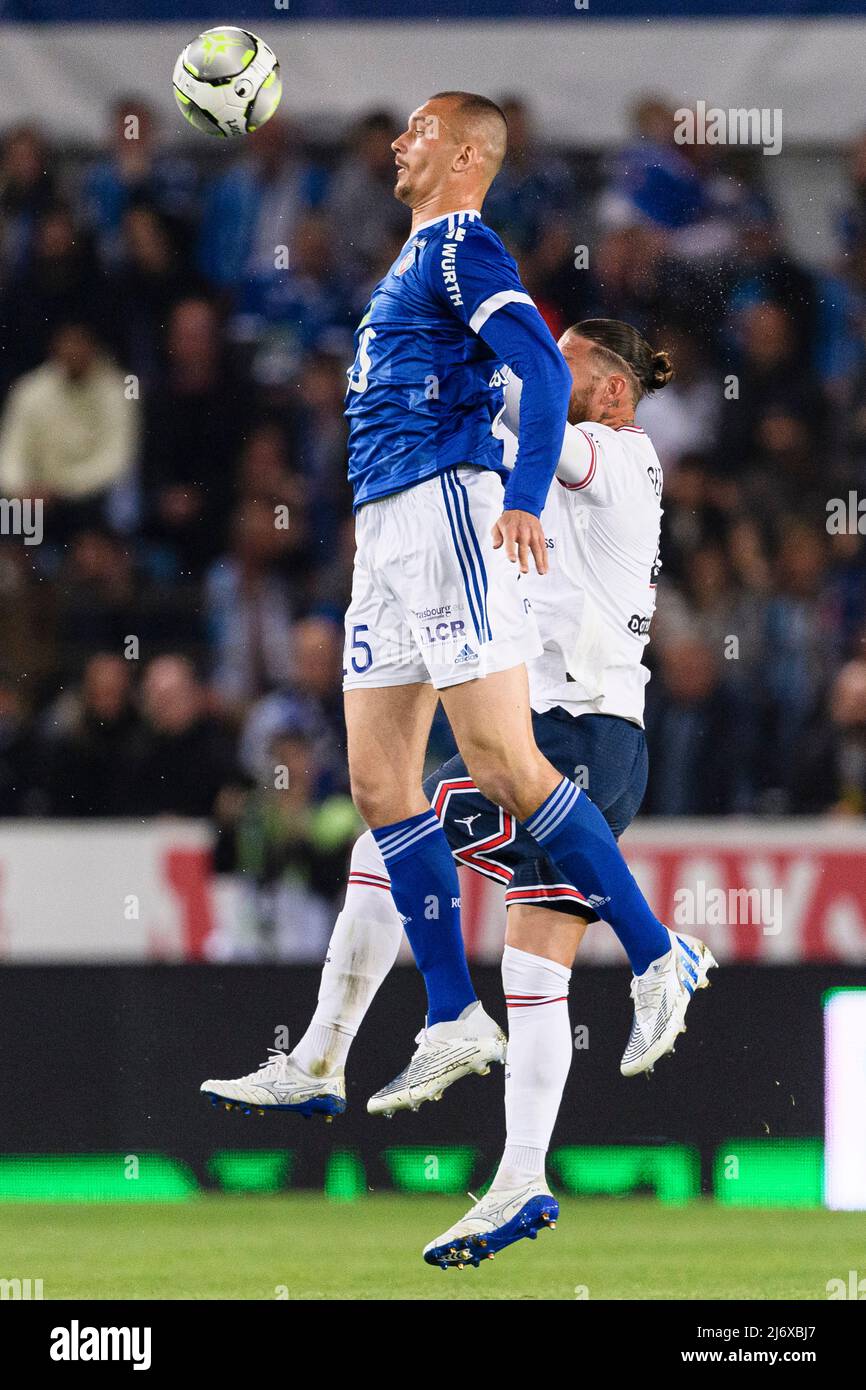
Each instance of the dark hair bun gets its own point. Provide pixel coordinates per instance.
(623, 344)
(660, 371)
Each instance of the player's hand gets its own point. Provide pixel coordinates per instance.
(521, 533)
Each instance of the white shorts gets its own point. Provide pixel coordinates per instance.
(432, 601)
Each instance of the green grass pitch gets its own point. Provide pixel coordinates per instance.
(303, 1246)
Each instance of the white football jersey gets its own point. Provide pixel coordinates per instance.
(594, 606)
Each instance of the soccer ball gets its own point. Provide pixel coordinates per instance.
(227, 82)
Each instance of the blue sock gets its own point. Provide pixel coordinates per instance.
(426, 890)
(580, 842)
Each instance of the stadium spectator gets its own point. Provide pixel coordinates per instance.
(555, 268)
(765, 271)
(87, 740)
(769, 425)
(254, 208)
(194, 421)
(846, 589)
(27, 189)
(135, 173)
(266, 466)
(829, 763)
(289, 844)
(181, 757)
(534, 186)
(698, 765)
(360, 203)
(654, 182)
(152, 275)
(311, 700)
(62, 283)
(249, 613)
(284, 310)
(177, 545)
(684, 418)
(319, 429)
(68, 432)
(628, 277)
(98, 599)
(729, 618)
(693, 514)
(799, 633)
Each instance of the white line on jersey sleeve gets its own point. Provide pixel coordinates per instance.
(494, 302)
(577, 462)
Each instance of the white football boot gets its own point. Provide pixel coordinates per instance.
(661, 996)
(498, 1220)
(279, 1084)
(444, 1053)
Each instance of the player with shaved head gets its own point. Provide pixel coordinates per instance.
(437, 611)
(454, 145)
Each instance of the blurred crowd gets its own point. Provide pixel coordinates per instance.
(175, 327)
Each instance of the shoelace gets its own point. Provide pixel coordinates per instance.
(277, 1064)
(647, 996)
(424, 1040)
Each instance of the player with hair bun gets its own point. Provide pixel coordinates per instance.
(593, 610)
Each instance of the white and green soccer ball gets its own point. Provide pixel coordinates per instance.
(227, 82)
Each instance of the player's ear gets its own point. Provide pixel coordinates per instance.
(465, 157)
(619, 387)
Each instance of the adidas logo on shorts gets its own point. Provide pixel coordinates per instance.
(465, 654)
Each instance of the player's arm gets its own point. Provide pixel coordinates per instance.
(486, 292)
(578, 462)
(521, 338)
(584, 465)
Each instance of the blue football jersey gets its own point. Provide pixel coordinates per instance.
(424, 389)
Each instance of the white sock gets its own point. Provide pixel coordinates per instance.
(362, 949)
(539, 1056)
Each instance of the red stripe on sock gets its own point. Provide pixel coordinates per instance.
(535, 1003)
(517, 894)
(370, 882)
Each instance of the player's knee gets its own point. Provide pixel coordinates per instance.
(497, 781)
(367, 794)
(369, 803)
(380, 803)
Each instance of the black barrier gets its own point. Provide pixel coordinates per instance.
(110, 1060)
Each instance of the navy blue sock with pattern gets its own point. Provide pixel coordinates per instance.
(426, 890)
(580, 842)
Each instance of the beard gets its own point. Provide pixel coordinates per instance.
(402, 187)
(578, 404)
